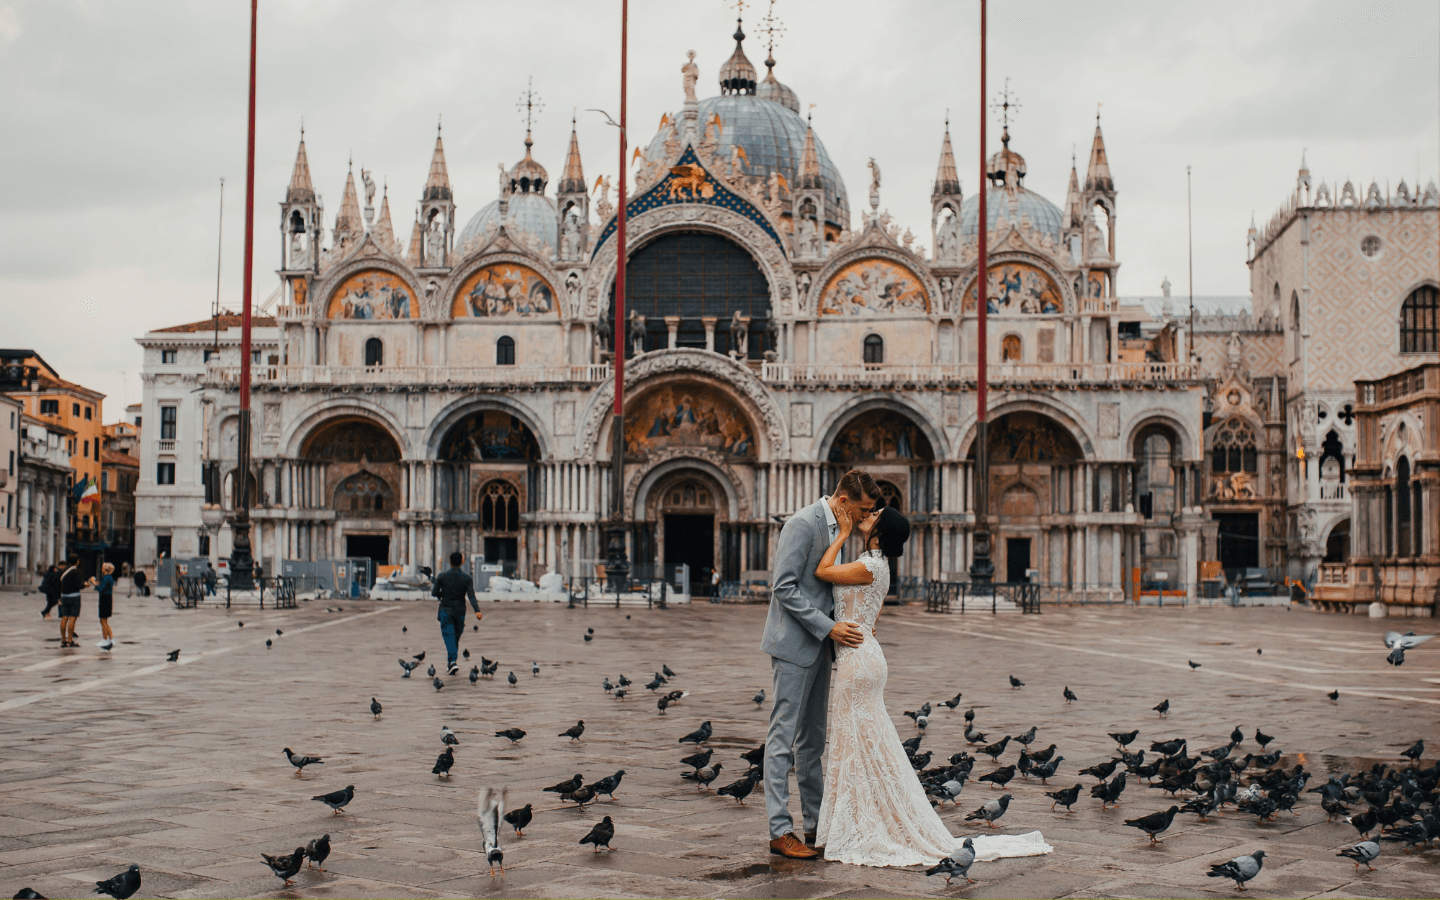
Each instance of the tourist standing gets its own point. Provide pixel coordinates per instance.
(452, 588)
(71, 583)
(105, 586)
(50, 587)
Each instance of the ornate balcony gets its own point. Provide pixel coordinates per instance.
(305, 377)
(1089, 373)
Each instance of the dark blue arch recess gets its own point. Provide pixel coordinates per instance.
(660, 195)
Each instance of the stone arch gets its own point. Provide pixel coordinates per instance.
(662, 220)
(683, 413)
(300, 430)
(897, 403)
(1190, 448)
(1067, 289)
(323, 441)
(458, 409)
(906, 261)
(446, 307)
(1078, 429)
(643, 481)
(1400, 439)
(770, 432)
(338, 279)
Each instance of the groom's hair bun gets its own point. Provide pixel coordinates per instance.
(856, 483)
(893, 530)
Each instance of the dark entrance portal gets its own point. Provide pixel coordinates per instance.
(375, 546)
(1017, 559)
(1239, 540)
(690, 540)
(504, 552)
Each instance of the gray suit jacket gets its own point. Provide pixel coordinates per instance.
(800, 604)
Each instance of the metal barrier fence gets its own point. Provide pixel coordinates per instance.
(585, 589)
(945, 596)
(191, 591)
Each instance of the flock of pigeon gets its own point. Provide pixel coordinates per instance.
(1401, 804)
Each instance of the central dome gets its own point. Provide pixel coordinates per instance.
(773, 138)
(1043, 215)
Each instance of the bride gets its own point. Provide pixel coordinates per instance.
(874, 811)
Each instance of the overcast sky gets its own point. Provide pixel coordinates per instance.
(121, 116)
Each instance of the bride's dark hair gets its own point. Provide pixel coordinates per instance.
(891, 531)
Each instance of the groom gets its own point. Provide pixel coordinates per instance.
(798, 636)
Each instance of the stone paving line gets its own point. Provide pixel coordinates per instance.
(109, 759)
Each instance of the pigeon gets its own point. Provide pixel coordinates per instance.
(1045, 771)
(519, 818)
(431, 671)
(738, 789)
(666, 670)
(337, 800)
(1042, 756)
(566, 787)
(439, 685)
(419, 657)
(606, 686)
(994, 750)
(1015, 683)
(623, 681)
(465, 653)
(1069, 695)
(912, 745)
(759, 698)
(1102, 770)
(589, 631)
(122, 886)
(580, 796)
(601, 835)
(1414, 751)
(1262, 739)
(608, 784)
(534, 668)
(447, 736)
(1109, 793)
(173, 655)
(969, 717)
(620, 693)
(957, 864)
(1237, 737)
(700, 760)
(951, 789)
(1364, 822)
(267, 646)
(991, 811)
(512, 679)
(1028, 737)
(1415, 832)
(404, 629)
(1259, 651)
(443, 762)
(1193, 664)
(1125, 738)
(1334, 696)
(375, 707)
(1162, 707)
(404, 664)
(754, 756)
(300, 762)
(951, 703)
(284, 867)
(316, 851)
(1399, 643)
(974, 737)
(703, 777)
(278, 632)
(1000, 777)
(921, 761)
(699, 735)
(29, 893)
(490, 807)
(1065, 798)
(589, 636)
(1167, 748)
(661, 704)
(1363, 852)
(1241, 868)
(1155, 823)
(574, 731)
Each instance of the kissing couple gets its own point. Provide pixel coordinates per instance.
(867, 807)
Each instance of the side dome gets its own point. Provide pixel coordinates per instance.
(773, 138)
(1044, 216)
(530, 214)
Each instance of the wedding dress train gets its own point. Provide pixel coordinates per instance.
(874, 811)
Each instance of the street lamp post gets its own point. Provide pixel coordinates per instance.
(617, 566)
(242, 565)
(982, 569)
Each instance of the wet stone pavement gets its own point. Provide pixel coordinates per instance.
(109, 759)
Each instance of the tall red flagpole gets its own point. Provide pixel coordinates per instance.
(241, 562)
(982, 569)
(617, 566)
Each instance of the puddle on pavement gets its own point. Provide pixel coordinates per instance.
(1325, 765)
(742, 873)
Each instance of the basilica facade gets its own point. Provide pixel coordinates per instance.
(453, 390)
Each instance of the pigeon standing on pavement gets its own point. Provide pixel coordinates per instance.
(1362, 853)
(703, 777)
(174, 655)
(474, 674)
(512, 679)
(443, 762)
(534, 668)
(1125, 738)
(699, 760)
(375, 707)
(991, 811)
(1065, 798)
(1334, 696)
(1069, 695)
(1015, 683)
(1155, 823)
(122, 886)
(300, 761)
(565, 787)
(574, 731)
(1399, 643)
(608, 784)
(490, 807)
(337, 800)
(738, 789)
(316, 852)
(957, 864)
(28, 893)
(436, 682)
(1262, 739)
(514, 734)
(759, 698)
(285, 866)
(699, 735)
(519, 818)
(1241, 868)
(431, 671)
(448, 737)
(1162, 707)
(666, 670)
(601, 835)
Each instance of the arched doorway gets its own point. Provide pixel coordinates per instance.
(358, 462)
(1158, 496)
(487, 479)
(687, 511)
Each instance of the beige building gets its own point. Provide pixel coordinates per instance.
(11, 412)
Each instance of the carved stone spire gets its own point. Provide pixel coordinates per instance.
(809, 177)
(947, 179)
(348, 225)
(437, 186)
(573, 178)
(1074, 212)
(417, 242)
(1097, 177)
(302, 190)
(384, 232)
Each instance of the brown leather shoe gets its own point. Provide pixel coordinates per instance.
(789, 845)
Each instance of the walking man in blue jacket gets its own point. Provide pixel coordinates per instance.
(452, 588)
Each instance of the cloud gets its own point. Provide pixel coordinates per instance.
(10, 29)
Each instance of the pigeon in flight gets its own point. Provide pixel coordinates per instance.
(437, 683)
(375, 707)
(173, 655)
(1155, 823)
(1399, 643)
(285, 866)
(1069, 695)
(957, 864)
(566, 787)
(316, 852)
(759, 698)
(1065, 798)
(404, 664)
(300, 762)
(443, 762)
(991, 811)
(122, 886)
(1162, 707)
(513, 680)
(699, 735)
(608, 784)
(703, 777)
(337, 800)
(738, 789)
(1363, 852)
(699, 760)
(519, 818)
(574, 731)
(601, 835)
(1241, 868)
(447, 736)
(1015, 683)
(490, 807)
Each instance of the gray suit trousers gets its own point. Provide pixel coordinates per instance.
(796, 739)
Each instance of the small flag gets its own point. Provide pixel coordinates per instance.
(91, 493)
(80, 486)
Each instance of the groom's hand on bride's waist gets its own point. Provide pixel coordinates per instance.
(847, 634)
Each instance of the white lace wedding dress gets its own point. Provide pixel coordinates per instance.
(874, 812)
